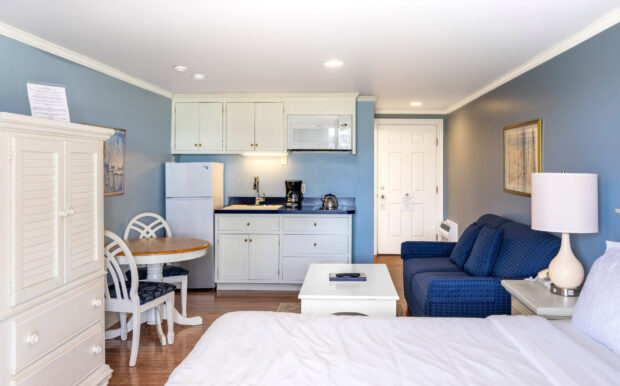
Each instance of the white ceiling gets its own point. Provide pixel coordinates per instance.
(435, 51)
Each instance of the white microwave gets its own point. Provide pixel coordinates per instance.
(320, 132)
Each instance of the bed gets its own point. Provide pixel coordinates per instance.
(270, 348)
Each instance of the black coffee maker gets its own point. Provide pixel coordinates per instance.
(293, 194)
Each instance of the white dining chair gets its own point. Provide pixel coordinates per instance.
(150, 225)
(134, 297)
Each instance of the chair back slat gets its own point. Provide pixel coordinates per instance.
(146, 229)
(111, 252)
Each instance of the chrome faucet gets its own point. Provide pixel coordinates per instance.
(257, 200)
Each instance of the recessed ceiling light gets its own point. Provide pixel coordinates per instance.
(415, 104)
(333, 63)
(179, 68)
(199, 76)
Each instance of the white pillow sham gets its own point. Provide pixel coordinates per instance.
(597, 312)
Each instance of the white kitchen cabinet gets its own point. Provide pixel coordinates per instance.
(240, 126)
(269, 127)
(273, 251)
(52, 274)
(198, 127)
(263, 261)
(234, 248)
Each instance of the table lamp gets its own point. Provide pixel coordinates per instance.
(565, 203)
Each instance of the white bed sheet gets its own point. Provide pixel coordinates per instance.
(268, 348)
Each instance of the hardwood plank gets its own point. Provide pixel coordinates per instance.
(156, 362)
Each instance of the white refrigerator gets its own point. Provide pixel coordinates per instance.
(193, 191)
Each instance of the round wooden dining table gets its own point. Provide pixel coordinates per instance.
(156, 252)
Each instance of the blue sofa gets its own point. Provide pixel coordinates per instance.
(439, 283)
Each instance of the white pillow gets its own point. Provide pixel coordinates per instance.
(597, 312)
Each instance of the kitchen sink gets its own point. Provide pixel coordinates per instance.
(253, 207)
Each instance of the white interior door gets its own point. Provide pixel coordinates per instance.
(407, 184)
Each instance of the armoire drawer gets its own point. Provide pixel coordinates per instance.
(248, 223)
(315, 244)
(318, 224)
(51, 324)
(295, 268)
(71, 363)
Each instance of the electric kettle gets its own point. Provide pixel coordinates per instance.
(330, 202)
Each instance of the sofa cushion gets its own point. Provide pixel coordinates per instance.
(484, 253)
(492, 220)
(428, 264)
(463, 248)
(524, 251)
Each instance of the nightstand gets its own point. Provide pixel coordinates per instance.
(529, 297)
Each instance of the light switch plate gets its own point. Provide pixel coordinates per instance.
(303, 188)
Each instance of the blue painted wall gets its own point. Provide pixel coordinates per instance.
(577, 96)
(344, 175)
(99, 99)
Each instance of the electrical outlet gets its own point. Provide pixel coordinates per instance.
(303, 188)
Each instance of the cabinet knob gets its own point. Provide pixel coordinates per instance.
(195, 145)
(256, 145)
(63, 213)
(314, 224)
(70, 212)
(248, 224)
(33, 338)
(200, 145)
(245, 240)
(97, 303)
(250, 240)
(251, 145)
(97, 349)
(315, 244)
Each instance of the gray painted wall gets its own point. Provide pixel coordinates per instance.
(99, 99)
(577, 96)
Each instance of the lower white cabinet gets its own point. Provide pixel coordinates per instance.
(272, 251)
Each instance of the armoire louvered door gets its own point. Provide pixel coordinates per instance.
(37, 201)
(83, 208)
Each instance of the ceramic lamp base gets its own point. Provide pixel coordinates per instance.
(566, 292)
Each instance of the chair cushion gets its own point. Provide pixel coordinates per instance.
(147, 290)
(524, 251)
(428, 264)
(168, 271)
(463, 248)
(484, 253)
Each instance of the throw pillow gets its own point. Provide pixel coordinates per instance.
(484, 253)
(462, 249)
(597, 313)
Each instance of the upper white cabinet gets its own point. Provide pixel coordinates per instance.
(240, 126)
(242, 123)
(198, 127)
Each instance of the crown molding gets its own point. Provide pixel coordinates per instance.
(607, 21)
(409, 112)
(366, 98)
(47, 46)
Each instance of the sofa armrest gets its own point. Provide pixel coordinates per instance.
(417, 249)
(466, 290)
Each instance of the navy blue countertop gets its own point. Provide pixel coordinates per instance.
(309, 205)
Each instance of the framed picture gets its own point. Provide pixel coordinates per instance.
(522, 156)
(114, 163)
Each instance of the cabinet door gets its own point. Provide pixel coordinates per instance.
(185, 127)
(263, 257)
(240, 126)
(37, 200)
(269, 127)
(84, 209)
(232, 258)
(210, 127)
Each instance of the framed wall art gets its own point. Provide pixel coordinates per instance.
(522, 156)
(114, 163)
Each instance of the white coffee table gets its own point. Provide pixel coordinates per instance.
(374, 297)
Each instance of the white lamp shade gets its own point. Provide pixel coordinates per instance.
(565, 202)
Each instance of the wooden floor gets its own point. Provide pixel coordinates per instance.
(156, 362)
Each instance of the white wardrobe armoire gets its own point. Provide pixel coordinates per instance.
(51, 253)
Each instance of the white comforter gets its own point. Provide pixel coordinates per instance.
(267, 348)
